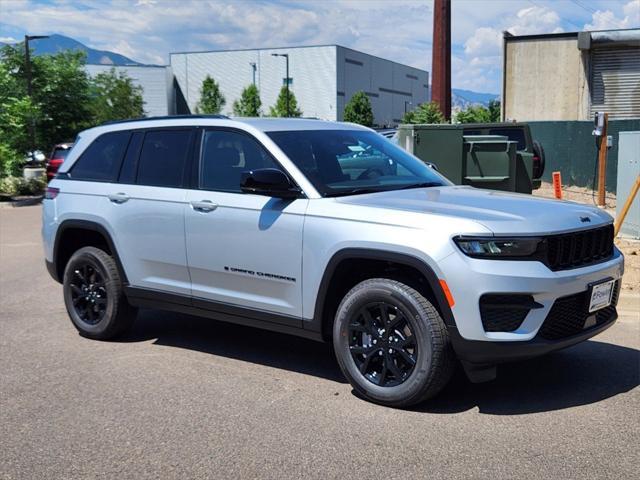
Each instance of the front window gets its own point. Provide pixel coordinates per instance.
(347, 162)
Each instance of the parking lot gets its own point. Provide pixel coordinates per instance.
(184, 397)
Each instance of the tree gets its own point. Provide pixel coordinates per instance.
(425, 113)
(115, 97)
(249, 103)
(211, 98)
(480, 113)
(280, 108)
(60, 97)
(358, 110)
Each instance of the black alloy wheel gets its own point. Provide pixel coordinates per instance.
(88, 293)
(382, 344)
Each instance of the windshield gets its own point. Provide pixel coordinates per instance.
(347, 162)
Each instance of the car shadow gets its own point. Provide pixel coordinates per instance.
(248, 344)
(583, 374)
(586, 373)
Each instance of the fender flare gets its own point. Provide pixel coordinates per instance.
(400, 258)
(84, 225)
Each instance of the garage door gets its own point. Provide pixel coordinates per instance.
(615, 82)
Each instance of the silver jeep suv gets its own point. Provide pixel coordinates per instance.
(327, 231)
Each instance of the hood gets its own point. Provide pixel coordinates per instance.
(503, 213)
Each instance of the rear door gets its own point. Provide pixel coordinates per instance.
(148, 207)
(244, 251)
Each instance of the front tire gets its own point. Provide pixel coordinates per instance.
(94, 296)
(392, 344)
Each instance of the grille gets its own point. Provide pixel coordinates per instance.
(578, 249)
(504, 312)
(568, 315)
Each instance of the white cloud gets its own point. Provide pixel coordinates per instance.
(8, 40)
(606, 19)
(485, 41)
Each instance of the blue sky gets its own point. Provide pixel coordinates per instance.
(400, 30)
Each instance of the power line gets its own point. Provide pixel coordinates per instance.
(561, 18)
(576, 2)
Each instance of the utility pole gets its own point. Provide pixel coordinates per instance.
(253, 67)
(441, 59)
(286, 57)
(27, 69)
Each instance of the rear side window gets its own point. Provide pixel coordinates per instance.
(101, 160)
(163, 158)
(514, 134)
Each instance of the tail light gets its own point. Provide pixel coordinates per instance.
(51, 193)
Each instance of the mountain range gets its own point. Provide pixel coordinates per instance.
(460, 98)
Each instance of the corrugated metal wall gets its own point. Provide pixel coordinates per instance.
(390, 86)
(571, 149)
(324, 78)
(615, 82)
(156, 83)
(312, 70)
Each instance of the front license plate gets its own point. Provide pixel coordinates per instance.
(601, 295)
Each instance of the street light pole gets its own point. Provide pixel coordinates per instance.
(253, 67)
(286, 57)
(27, 69)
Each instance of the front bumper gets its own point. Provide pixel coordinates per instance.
(469, 279)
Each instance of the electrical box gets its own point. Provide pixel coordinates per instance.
(628, 171)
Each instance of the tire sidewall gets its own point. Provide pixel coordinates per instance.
(381, 291)
(88, 255)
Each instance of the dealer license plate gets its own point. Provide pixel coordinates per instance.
(601, 295)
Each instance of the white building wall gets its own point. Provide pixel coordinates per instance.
(312, 69)
(156, 83)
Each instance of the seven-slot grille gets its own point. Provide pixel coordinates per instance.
(577, 249)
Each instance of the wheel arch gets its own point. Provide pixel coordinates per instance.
(323, 315)
(95, 235)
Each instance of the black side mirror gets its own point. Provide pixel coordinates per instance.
(270, 182)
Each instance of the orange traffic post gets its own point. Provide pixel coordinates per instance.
(557, 185)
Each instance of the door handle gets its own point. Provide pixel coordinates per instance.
(204, 206)
(119, 197)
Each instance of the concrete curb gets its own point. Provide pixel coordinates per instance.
(22, 201)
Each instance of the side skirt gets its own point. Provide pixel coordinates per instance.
(146, 298)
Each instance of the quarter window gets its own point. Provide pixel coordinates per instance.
(225, 155)
(101, 160)
(163, 158)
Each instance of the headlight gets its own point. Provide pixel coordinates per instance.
(496, 247)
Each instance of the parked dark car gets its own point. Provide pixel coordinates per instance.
(58, 154)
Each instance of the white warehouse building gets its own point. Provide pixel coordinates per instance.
(323, 79)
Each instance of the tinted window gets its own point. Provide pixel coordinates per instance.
(130, 164)
(514, 134)
(60, 153)
(163, 157)
(101, 160)
(344, 162)
(225, 155)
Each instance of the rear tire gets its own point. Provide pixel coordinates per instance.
(392, 344)
(94, 295)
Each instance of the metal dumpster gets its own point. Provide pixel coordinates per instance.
(483, 161)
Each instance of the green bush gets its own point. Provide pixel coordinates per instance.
(358, 110)
(10, 161)
(13, 186)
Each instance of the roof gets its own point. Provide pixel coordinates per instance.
(509, 37)
(266, 124)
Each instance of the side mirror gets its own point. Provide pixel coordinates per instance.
(270, 182)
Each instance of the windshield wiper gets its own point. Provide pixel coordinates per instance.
(420, 185)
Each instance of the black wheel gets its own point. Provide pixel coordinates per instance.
(538, 151)
(94, 296)
(392, 344)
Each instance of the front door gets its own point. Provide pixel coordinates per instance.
(244, 251)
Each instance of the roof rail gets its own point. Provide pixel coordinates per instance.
(165, 117)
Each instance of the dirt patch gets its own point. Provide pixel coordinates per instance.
(630, 248)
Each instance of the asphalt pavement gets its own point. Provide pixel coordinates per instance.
(184, 397)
